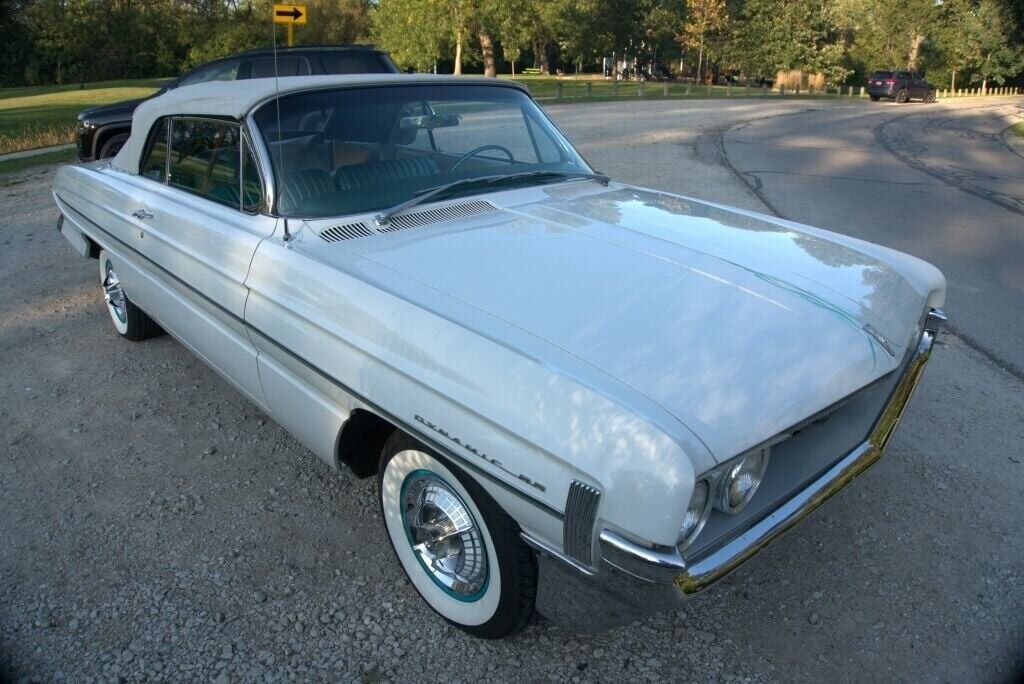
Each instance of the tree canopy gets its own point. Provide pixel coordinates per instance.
(951, 41)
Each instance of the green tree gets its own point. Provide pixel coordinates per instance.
(886, 34)
(775, 35)
(417, 33)
(959, 36)
(998, 58)
(704, 18)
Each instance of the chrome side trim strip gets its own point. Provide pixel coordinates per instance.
(578, 523)
(666, 564)
(405, 425)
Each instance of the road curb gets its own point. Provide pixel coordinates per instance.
(34, 152)
(1013, 141)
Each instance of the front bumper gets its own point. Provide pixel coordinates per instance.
(647, 579)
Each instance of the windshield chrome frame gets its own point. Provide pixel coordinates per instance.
(259, 147)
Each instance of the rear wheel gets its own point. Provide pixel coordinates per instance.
(130, 321)
(113, 145)
(903, 96)
(460, 550)
(874, 98)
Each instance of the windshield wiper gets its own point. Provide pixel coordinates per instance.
(384, 217)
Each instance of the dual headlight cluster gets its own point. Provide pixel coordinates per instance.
(729, 488)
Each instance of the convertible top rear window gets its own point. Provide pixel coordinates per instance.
(353, 150)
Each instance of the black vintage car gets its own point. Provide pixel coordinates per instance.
(901, 86)
(103, 130)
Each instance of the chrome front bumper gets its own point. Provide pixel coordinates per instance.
(634, 579)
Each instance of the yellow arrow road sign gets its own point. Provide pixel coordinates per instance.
(289, 14)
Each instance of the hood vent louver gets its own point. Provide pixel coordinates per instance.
(348, 231)
(449, 213)
(352, 231)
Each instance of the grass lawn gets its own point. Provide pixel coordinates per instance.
(43, 116)
(1017, 129)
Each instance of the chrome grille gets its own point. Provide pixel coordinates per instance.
(578, 524)
(348, 231)
(448, 213)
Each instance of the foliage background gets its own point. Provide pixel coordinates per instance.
(973, 41)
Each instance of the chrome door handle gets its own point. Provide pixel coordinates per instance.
(142, 214)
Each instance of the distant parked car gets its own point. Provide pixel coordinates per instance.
(655, 72)
(103, 130)
(901, 86)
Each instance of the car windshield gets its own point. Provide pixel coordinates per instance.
(882, 74)
(355, 150)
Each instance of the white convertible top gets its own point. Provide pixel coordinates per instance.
(236, 98)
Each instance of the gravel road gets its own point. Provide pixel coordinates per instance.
(156, 526)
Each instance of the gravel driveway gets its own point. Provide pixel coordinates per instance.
(157, 526)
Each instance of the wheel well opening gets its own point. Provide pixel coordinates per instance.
(94, 249)
(361, 441)
(105, 136)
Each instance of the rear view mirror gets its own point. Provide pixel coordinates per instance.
(428, 121)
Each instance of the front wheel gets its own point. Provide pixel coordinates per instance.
(130, 321)
(930, 97)
(460, 550)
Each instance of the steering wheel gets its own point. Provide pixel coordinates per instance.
(483, 148)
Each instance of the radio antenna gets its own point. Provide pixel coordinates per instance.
(280, 144)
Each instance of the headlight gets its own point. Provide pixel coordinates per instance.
(696, 513)
(741, 480)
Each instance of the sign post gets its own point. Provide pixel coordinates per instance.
(290, 15)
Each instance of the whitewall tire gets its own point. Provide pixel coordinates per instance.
(130, 321)
(461, 552)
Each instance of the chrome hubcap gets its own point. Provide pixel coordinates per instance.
(114, 294)
(444, 536)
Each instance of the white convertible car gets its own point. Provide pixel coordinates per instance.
(578, 396)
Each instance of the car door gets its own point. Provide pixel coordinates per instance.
(923, 87)
(199, 224)
(915, 85)
(905, 80)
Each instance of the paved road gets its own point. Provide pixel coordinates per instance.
(155, 526)
(935, 181)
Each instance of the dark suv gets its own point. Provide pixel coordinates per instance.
(901, 86)
(103, 130)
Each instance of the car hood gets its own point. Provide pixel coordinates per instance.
(116, 111)
(737, 325)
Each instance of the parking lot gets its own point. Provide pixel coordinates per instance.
(159, 527)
